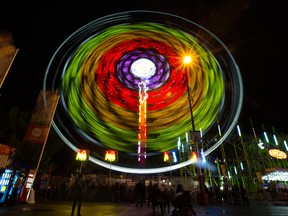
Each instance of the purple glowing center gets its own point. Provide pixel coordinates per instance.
(143, 65)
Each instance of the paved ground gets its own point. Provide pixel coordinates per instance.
(48, 208)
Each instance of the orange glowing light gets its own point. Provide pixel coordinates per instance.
(194, 157)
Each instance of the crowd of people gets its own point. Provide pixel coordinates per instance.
(159, 197)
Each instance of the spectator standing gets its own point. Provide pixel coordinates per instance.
(167, 198)
(157, 199)
(244, 196)
(91, 190)
(139, 190)
(116, 192)
(182, 202)
(218, 195)
(78, 189)
(149, 193)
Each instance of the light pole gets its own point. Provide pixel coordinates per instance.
(194, 135)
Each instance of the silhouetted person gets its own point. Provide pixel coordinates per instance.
(157, 198)
(78, 189)
(218, 195)
(149, 192)
(166, 197)
(244, 196)
(139, 190)
(183, 202)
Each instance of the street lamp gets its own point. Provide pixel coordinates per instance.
(111, 156)
(194, 135)
(82, 155)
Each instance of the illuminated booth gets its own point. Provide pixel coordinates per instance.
(5, 183)
(280, 175)
(276, 174)
(11, 183)
(26, 191)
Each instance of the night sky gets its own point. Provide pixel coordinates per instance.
(254, 31)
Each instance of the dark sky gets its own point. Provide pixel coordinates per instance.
(254, 31)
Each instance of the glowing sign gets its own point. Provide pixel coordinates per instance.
(82, 155)
(166, 157)
(277, 154)
(25, 193)
(111, 155)
(5, 179)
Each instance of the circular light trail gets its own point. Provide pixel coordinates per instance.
(97, 71)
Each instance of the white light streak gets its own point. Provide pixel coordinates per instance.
(235, 169)
(239, 132)
(286, 145)
(219, 130)
(275, 139)
(266, 137)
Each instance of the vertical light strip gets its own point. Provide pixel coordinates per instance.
(179, 143)
(142, 129)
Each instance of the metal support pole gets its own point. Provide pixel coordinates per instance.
(110, 174)
(81, 165)
(200, 175)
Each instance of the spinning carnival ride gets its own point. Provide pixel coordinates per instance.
(123, 86)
